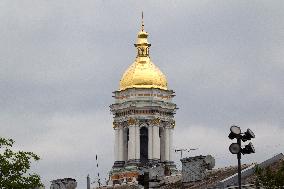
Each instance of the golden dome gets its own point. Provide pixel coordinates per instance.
(143, 73)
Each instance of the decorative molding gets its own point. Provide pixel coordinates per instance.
(132, 121)
(173, 123)
(155, 121)
(115, 125)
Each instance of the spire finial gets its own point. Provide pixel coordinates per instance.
(142, 25)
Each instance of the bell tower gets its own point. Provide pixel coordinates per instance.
(143, 116)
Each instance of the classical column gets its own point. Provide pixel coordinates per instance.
(171, 144)
(162, 143)
(116, 132)
(150, 142)
(121, 145)
(156, 143)
(137, 142)
(131, 143)
(167, 144)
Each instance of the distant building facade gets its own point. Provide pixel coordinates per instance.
(194, 168)
(66, 183)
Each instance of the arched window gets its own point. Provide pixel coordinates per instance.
(144, 145)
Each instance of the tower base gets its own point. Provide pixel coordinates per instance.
(133, 170)
(118, 164)
(170, 168)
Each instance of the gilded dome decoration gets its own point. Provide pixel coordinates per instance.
(143, 73)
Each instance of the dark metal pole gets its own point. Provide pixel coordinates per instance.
(88, 182)
(146, 180)
(239, 166)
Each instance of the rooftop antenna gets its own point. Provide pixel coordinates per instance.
(181, 151)
(184, 150)
(98, 175)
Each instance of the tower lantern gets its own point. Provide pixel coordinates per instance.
(143, 116)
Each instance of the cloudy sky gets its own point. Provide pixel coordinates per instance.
(60, 61)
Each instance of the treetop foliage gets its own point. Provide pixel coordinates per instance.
(270, 179)
(14, 167)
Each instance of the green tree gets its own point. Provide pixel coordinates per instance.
(14, 167)
(270, 179)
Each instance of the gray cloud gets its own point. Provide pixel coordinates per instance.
(60, 61)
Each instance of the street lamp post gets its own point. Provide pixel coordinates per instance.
(236, 148)
(239, 156)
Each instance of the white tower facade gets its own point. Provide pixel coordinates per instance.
(143, 125)
(143, 115)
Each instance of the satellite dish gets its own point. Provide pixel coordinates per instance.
(210, 162)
